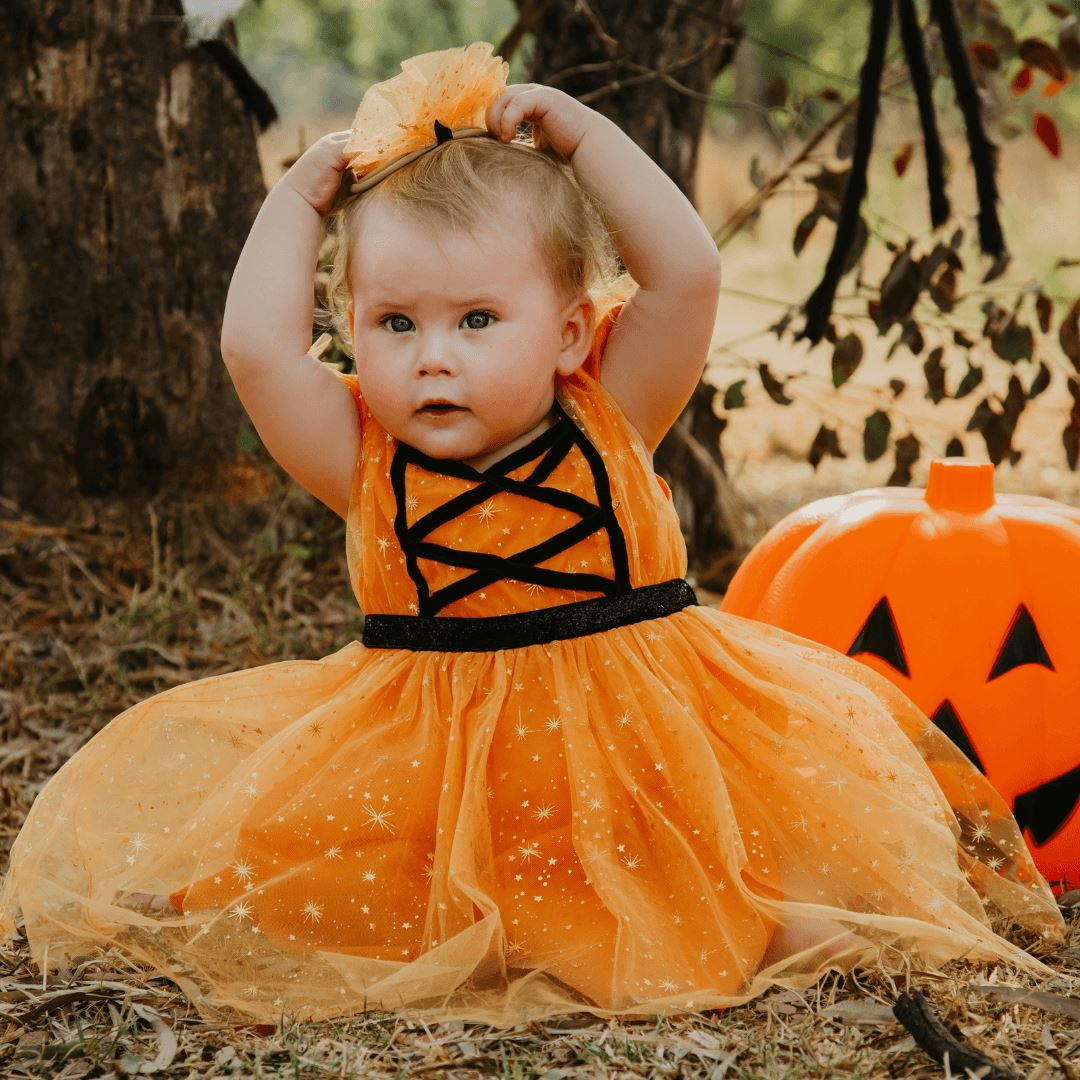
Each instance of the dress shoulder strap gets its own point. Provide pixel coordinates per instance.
(593, 398)
(600, 336)
(353, 383)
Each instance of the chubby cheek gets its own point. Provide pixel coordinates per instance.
(381, 393)
(525, 372)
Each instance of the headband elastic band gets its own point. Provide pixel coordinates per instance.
(442, 135)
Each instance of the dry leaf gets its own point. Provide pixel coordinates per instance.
(1047, 133)
(866, 1011)
(166, 1043)
(1040, 999)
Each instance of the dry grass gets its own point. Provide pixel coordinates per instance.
(95, 621)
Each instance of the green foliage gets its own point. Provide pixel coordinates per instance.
(317, 56)
(796, 49)
(247, 441)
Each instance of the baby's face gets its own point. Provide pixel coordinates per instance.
(472, 319)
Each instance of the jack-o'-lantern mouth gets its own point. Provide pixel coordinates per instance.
(1042, 810)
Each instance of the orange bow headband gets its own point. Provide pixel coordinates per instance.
(440, 95)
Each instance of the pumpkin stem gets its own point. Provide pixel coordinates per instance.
(960, 484)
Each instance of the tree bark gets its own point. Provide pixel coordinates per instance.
(649, 66)
(130, 179)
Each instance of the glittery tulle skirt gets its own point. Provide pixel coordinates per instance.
(669, 816)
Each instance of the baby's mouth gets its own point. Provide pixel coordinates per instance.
(437, 407)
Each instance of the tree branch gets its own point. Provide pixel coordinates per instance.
(226, 58)
(527, 19)
(914, 1012)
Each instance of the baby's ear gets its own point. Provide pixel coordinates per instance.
(578, 326)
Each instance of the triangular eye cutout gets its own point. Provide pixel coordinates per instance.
(880, 637)
(1022, 646)
(946, 720)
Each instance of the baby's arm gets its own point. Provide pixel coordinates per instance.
(304, 414)
(660, 343)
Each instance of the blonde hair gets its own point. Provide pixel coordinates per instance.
(456, 186)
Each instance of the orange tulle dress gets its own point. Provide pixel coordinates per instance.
(549, 781)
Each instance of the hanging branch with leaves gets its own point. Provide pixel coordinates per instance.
(983, 152)
(936, 274)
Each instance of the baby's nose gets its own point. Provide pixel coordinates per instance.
(437, 362)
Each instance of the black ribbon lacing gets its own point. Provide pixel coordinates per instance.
(619, 605)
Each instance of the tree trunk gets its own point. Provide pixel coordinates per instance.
(129, 182)
(649, 66)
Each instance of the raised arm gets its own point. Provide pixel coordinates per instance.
(660, 344)
(304, 414)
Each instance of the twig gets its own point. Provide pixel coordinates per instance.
(525, 24)
(914, 1012)
(610, 44)
(257, 100)
(87, 573)
(649, 74)
(779, 50)
(735, 223)
(456, 1063)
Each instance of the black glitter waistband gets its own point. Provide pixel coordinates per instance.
(453, 633)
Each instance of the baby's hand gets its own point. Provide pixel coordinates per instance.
(320, 174)
(558, 120)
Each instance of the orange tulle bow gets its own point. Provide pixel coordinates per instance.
(437, 96)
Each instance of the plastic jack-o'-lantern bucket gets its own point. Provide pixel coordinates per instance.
(970, 603)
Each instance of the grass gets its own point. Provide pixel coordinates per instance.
(95, 620)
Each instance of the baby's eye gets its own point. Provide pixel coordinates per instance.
(478, 315)
(395, 322)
